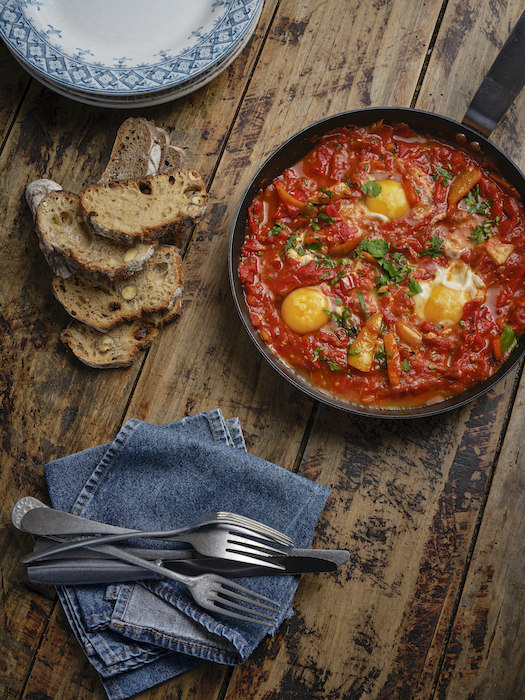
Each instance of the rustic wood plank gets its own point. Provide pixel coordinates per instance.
(14, 82)
(485, 654)
(471, 36)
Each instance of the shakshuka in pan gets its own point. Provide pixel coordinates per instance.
(386, 267)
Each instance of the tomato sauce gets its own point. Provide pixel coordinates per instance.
(414, 248)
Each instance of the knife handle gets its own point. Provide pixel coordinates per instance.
(80, 572)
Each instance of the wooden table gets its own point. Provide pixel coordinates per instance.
(431, 603)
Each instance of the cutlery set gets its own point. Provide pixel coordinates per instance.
(71, 550)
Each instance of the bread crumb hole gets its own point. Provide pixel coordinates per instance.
(160, 270)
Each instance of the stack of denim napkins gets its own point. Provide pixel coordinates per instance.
(150, 477)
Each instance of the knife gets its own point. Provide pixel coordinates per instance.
(93, 567)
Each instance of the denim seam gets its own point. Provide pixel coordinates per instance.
(111, 680)
(199, 612)
(179, 643)
(117, 446)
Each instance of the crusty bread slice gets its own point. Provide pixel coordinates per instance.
(139, 150)
(104, 304)
(69, 244)
(118, 347)
(144, 209)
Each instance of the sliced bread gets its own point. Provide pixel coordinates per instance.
(69, 244)
(139, 150)
(145, 209)
(104, 304)
(118, 347)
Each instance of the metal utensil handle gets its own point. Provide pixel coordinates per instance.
(501, 85)
(74, 572)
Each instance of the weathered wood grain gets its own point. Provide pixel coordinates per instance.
(485, 656)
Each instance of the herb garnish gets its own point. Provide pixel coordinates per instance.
(371, 188)
(483, 231)
(446, 175)
(277, 228)
(435, 246)
(413, 287)
(395, 269)
(405, 365)
(474, 203)
(344, 321)
(508, 339)
(328, 193)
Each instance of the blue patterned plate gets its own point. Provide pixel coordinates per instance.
(109, 48)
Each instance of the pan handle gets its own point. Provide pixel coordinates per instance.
(502, 84)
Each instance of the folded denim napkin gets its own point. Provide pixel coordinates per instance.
(137, 635)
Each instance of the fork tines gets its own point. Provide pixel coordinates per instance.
(221, 594)
(258, 527)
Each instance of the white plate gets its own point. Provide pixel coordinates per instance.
(124, 48)
(145, 100)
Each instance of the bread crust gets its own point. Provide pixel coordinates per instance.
(104, 304)
(145, 209)
(119, 347)
(68, 244)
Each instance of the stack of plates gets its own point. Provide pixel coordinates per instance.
(126, 53)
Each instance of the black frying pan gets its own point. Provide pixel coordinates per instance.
(497, 92)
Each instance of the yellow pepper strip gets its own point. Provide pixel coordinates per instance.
(287, 198)
(462, 184)
(408, 334)
(361, 354)
(393, 360)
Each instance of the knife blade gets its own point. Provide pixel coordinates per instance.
(93, 567)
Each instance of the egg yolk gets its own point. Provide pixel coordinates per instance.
(444, 304)
(302, 310)
(390, 202)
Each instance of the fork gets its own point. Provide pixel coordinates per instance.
(31, 515)
(221, 541)
(40, 519)
(211, 591)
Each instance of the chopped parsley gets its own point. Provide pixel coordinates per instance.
(405, 365)
(413, 287)
(446, 175)
(292, 243)
(474, 203)
(362, 303)
(335, 279)
(344, 321)
(395, 269)
(380, 356)
(435, 243)
(508, 339)
(277, 228)
(371, 188)
(328, 193)
(484, 231)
